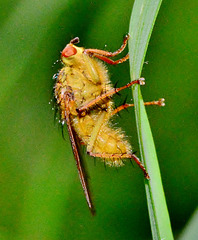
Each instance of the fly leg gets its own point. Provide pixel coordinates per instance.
(160, 103)
(109, 94)
(94, 52)
(110, 61)
(120, 155)
(105, 56)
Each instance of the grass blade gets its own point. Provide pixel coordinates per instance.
(190, 230)
(142, 21)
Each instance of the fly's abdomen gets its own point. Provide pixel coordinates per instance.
(112, 146)
(83, 127)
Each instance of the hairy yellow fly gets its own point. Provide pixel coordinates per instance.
(83, 92)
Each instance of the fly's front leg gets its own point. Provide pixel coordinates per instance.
(110, 61)
(119, 156)
(160, 102)
(110, 93)
(105, 56)
(95, 52)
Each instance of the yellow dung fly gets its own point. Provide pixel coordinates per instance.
(83, 93)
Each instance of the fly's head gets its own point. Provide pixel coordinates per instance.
(72, 54)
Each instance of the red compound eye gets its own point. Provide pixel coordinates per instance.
(69, 51)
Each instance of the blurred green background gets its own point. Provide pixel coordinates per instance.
(41, 196)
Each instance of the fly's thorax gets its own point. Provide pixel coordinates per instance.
(84, 90)
(86, 75)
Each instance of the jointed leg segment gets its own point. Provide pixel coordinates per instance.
(109, 94)
(110, 61)
(95, 52)
(160, 103)
(117, 155)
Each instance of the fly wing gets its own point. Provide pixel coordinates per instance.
(79, 164)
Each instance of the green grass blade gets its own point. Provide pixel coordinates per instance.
(142, 21)
(190, 230)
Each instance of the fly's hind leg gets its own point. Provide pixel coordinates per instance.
(120, 156)
(160, 102)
